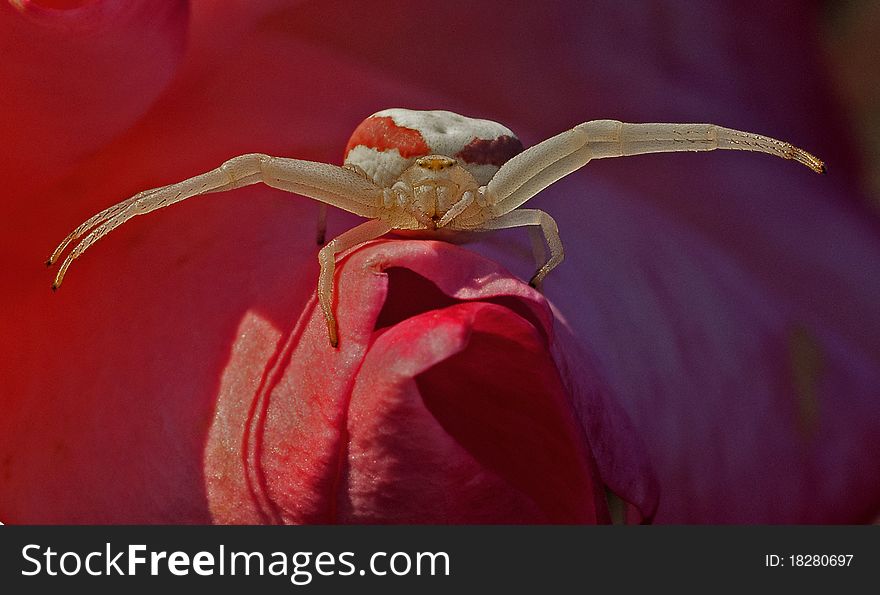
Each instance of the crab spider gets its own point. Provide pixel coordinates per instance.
(435, 172)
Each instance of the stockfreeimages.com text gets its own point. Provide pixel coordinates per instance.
(300, 567)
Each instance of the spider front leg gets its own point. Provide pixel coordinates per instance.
(526, 174)
(321, 231)
(328, 184)
(532, 217)
(327, 259)
(237, 172)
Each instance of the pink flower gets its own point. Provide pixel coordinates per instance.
(442, 404)
(725, 301)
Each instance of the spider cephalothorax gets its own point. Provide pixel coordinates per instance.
(435, 190)
(433, 171)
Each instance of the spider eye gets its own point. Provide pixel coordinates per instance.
(435, 162)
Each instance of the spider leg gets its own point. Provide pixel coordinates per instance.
(533, 217)
(327, 183)
(321, 234)
(95, 220)
(321, 231)
(539, 166)
(327, 258)
(539, 250)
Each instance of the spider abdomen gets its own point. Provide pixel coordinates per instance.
(387, 143)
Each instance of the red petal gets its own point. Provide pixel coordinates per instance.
(454, 415)
(459, 416)
(74, 79)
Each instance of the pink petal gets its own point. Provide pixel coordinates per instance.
(74, 79)
(459, 416)
(754, 408)
(349, 435)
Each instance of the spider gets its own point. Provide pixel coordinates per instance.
(434, 172)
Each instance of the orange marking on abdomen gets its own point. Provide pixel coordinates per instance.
(382, 134)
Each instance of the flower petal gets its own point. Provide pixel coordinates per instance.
(459, 416)
(755, 408)
(347, 435)
(73, 79)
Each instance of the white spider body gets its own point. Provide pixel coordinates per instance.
(388, 142)
(435, 190)
(435, 173)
